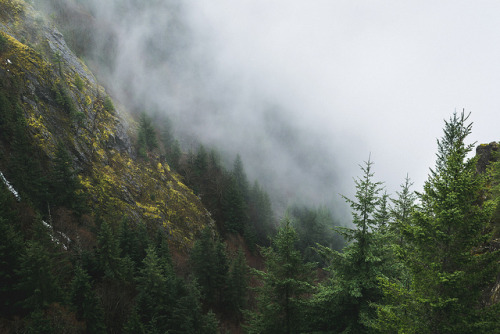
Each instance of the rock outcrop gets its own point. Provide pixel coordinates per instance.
(487, 153)
(62, 102)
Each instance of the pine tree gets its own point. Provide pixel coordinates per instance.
(314, 226)
(133, 241)
(200, 169)
(166, 134)
(146, 137)
(402, 209)
(86, 303)
(11, 253)
(286, 283)
(63, 180)
(354, 287)
(221, 273)
(238, 284)
(108, 252)
(233, 206)
(153, 298)
(37, 279)
(383, 213)
(448, 272)
(28, 177)
(210, 266)
(241, 177)
(163, 251)
(187, 316)
(261, 214)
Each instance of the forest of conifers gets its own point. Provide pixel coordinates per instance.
(109, 231)
(418, 262)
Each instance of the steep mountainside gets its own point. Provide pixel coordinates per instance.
(61, 107)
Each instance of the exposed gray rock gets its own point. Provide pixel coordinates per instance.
(487, 153)
(58, 46)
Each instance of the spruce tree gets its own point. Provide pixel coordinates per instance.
(37, 279)
(86, 303)
(63, 180)
(261, 214)
(286, 284)
(241, 177)
(108, 253)
(344, 304)
(11, 252)
(238, 284)
(153, 298)
(233, 206)
(210, 266)
(449, 273)
(146, 137)
(402, 209)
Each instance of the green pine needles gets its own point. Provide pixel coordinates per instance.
(448, 274)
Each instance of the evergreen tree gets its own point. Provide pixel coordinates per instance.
(200, 169)
(261, 214)
(221, 273)
(210, 266)
(11, 253)
(383, 213)
(201, 162)
(108, 104)
(86, 303)
(153, 295)
(134, 324)
(448, 272)
(314, 226)
(241, 177)
(37, 280)
(28, 175)
(238, 284)
(108, 252)
(3, 43)
(354, 286)
(63, 180)
(402, 209)
(133, 242)
(174, 155)
(166, 134)
(163, 251)
(233, 206)
(187, 316)
(286, 283)
(215, 188)
(146, 138)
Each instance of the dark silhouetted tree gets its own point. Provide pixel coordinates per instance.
(286, 284)
(238, 284)
(85, 301)
(146, 137)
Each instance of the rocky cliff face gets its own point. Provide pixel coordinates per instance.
(62, 102)
(486, 153)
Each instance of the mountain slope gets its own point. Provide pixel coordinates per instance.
(62, 105)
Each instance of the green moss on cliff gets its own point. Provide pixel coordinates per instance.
(61, 103)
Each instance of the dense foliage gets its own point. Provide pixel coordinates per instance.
(190, 245)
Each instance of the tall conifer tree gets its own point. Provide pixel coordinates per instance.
(345, 305)
(287, 282)
(448, 273)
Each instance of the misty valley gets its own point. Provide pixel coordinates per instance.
(157, 177)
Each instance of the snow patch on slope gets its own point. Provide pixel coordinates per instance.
(10, 187)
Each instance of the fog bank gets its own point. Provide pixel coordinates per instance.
(306, 91)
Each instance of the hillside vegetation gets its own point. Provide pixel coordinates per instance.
(108, 226)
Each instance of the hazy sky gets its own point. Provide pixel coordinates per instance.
(367, 76)
(306, 90)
